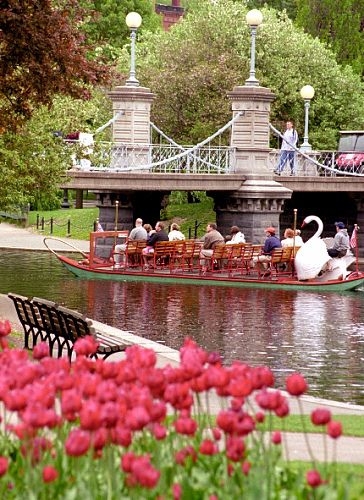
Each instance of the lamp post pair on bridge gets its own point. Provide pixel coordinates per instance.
(254, 19)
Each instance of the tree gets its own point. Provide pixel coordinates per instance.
(33, 161)
(42, 53)
(290, 6)
(194, 65)
(339, 24)
(108, 25)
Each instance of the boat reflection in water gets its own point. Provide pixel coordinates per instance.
(320, 335)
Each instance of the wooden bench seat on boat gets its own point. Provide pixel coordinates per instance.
(60, 327)
(280, 264)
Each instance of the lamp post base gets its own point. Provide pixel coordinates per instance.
(305, 147)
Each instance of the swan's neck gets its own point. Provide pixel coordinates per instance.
(319, 229)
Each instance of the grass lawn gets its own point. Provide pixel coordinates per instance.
(353, 425)
(81, 222)
(188, 215)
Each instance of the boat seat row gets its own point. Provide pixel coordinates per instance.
(45, 321)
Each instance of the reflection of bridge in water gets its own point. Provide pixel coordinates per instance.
(234, 166)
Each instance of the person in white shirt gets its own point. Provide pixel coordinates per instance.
(236, 236)
(290, 239)
(175, 234)
(137, 233)
(288, 152)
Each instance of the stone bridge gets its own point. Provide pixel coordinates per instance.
(246, 193)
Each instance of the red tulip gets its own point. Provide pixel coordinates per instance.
(334, 429)
(313, 478)
(208, 447)
(4, 465)
(276, 437)
(49, 474)
(5, 328)
(296, 385)
(77, 443)
(320, 416)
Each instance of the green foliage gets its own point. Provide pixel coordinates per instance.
(34, 161)
(290, 6)
(107, 28)
(193, 66)
(339, 24)
(190, 215)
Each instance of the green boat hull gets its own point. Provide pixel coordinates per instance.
(356, 280)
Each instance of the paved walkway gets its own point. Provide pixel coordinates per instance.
(349, 449)
(14, 237)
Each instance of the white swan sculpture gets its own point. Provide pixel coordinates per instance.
(312, 255)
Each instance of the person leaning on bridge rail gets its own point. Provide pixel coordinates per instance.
(211, 240)
(175, 234)
(137, 233)
(288, 153)
(341, 244)
(158, 235)
(236, 236)
(271, 242)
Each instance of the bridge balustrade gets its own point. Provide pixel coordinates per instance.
(211, 159)
(166, 158)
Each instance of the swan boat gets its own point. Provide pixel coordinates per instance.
(233, 270)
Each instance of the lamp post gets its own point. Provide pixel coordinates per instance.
(133, 21)
(307, 92)
(254, 18)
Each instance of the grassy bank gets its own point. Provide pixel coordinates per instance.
(78, 223)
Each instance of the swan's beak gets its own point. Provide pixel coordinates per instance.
(303, 224)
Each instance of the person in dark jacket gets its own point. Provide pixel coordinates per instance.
(271, 242)
(341, 244)
(158, 235)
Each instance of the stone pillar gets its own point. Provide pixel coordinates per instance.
(132, 147)
(260, 200)
(133, 124)
(251, 209)
(79, 198)
(250, 133)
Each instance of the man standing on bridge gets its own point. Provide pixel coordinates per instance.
(288, 153)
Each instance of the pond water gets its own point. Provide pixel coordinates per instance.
(320, 335)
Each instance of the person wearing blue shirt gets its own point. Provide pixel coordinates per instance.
(271, 242)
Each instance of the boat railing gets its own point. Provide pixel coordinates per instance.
(102, 245)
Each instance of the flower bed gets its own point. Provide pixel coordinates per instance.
(128, 429)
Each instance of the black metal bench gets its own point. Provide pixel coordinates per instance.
(60, 327)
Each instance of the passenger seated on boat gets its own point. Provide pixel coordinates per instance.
(137, 233)
(236, 236)
(175, 234)
(211, 239)
(289, 238)
(158, 235)
(271, 242)
(341, 244)
(298, 239)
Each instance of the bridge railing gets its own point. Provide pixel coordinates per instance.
(318, 163)
(166, 158)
